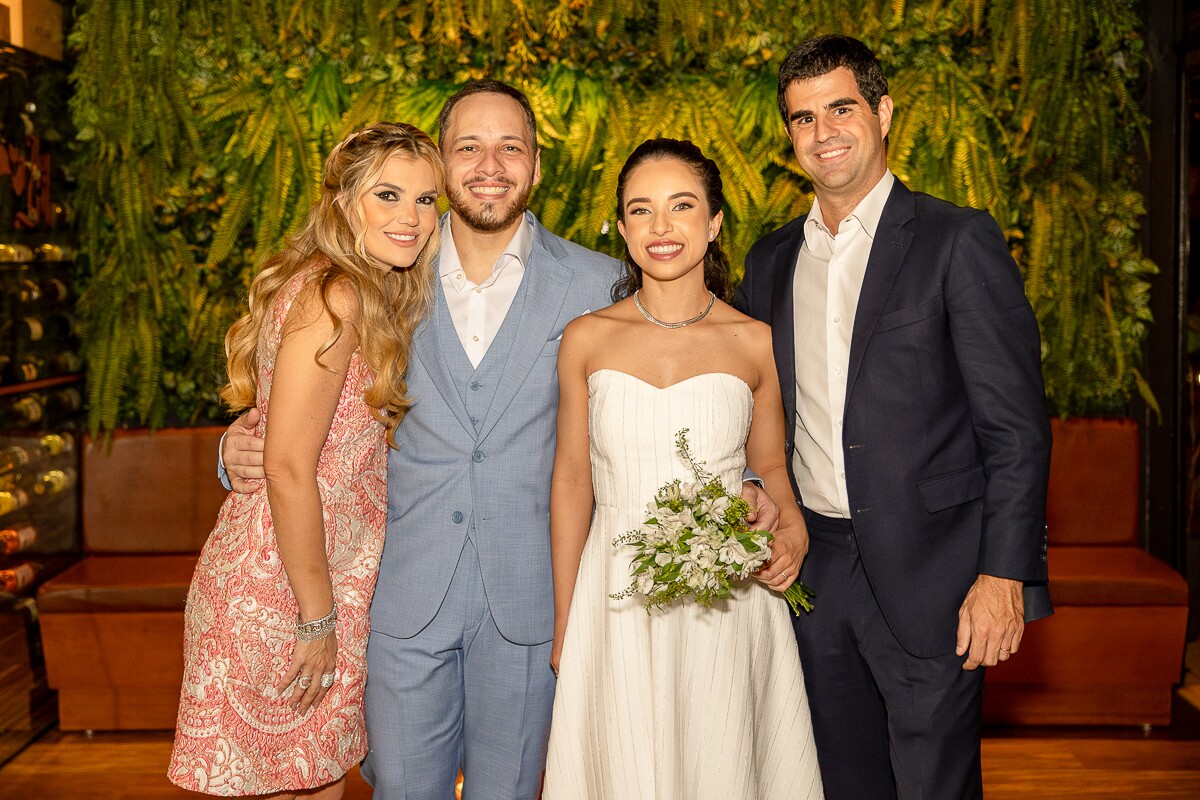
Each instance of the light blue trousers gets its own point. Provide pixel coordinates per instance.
(457, 695)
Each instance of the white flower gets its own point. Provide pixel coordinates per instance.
(715, 506)
(732, 552)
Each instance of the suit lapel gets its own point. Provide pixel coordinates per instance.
(783, 324)
(547, 280)
(429, 347)
(892, 239)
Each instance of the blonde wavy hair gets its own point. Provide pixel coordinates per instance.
(331, 241)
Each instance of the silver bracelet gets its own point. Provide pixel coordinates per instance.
(318, 628)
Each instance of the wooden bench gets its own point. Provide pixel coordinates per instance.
(1113, 650)
(112, 625)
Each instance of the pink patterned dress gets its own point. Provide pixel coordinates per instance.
(234, 736)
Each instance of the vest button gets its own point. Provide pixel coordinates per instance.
(457, 517)
(477, 456)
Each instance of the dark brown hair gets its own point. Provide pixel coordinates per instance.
(716, 263)
(824, 54)
(486, 87)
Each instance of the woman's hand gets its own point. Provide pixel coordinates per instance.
(787, 555)
(310, 662)
(556, 654)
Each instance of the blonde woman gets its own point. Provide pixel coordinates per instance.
(276, 621)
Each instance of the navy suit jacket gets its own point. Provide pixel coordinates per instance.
(945, 434)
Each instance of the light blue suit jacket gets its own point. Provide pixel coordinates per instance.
(445, 478)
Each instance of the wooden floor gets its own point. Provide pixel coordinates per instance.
(1080, 764)
(1018, 763)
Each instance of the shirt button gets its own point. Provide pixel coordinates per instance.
(478, 290)
(459, 276)
(474, 338)
(477, 456)
(837, 319)
(457, 517)
(842, 475)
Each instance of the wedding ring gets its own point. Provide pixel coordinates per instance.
(327, 679)
(1005, 650)
(303, 681)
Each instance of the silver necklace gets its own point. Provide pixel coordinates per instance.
(712, 298)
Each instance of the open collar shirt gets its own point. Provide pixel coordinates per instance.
(828, 280)
(478, 309)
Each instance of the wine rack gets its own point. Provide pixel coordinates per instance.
(41, 414)
(41, 378)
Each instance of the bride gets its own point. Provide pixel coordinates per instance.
(687, 701)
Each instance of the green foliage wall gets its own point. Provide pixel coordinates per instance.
(203, 124)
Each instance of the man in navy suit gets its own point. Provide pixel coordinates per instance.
(917, 437)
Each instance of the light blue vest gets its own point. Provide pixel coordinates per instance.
(476, 451)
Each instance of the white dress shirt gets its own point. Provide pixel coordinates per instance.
(478, 309)
(828, 280)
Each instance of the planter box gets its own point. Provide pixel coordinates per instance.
(1113, 650)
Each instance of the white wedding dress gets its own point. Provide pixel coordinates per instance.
(686, 702)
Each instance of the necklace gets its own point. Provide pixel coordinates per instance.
(712, 298)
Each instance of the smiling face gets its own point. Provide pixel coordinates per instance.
(665, 219)
(399, 211)
(837, 140)
(492, 162)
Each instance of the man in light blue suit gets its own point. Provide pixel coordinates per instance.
(459, 655)
(463, 616)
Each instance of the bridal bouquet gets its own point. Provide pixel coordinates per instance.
(696, 541)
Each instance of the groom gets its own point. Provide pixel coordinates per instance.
(917, 436)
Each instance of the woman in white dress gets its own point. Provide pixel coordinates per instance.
(686, 702)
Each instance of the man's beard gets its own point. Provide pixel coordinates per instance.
(492, 217)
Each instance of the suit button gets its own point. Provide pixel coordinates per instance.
(457, 517)
(474, 386)
(477, 456)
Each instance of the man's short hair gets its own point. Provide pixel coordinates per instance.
(824, 54)
(486, 87)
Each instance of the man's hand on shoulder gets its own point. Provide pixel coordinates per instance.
(991, 622)
(242, 453)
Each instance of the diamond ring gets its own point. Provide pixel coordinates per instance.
(303, 681)
(327, 679)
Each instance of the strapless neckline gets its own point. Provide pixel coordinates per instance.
(670, 386)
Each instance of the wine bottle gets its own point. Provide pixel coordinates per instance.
(65, 362)
(64, 401)
(15, 252)
(20, 537)
(26, 411)
(28, 291)
(12, 457)
(20, 576)
(28, 330)
(55, 289)
(54, 444)
(54, 481)
(11, 501)
(26, 367)
(59, 325)
(54, 252)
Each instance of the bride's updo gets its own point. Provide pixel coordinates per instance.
(716, 263)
